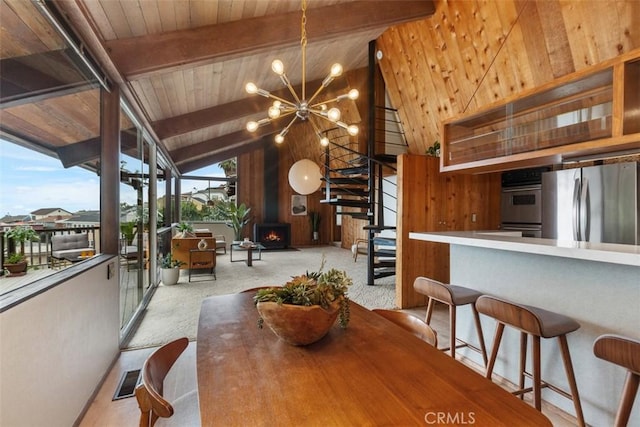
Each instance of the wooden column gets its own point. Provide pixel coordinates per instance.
(109, 170)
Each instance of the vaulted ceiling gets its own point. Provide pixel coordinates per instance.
(182, 66)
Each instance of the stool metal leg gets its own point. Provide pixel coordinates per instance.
(568, 367)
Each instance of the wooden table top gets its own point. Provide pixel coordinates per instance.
(372, 373)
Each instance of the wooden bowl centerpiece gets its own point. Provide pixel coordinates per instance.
(303, 310)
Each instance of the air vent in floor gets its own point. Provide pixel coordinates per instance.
(127, 385)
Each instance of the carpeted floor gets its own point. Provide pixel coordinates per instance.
(173, 311)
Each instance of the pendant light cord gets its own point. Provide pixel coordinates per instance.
(303, 45)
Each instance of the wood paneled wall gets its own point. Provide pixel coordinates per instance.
(473, 53)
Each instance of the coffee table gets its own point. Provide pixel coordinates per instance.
(250, 250)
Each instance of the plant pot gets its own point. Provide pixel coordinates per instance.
(17, 269)
(298, 324)
(170, 276)
(316, 235)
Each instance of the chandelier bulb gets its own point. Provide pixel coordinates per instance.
(251, 88)
(279, 139)
(274, 112)
(252, 126)
(278, 67)
(336, 70)
(333, 114)
(353, 130)
(324, 141)
(354, 94)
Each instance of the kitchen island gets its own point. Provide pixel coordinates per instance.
(596, 284)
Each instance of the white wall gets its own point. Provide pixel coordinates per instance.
(602, 297)
(56, 347)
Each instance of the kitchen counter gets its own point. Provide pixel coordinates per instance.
(512, 241)
(596, 284)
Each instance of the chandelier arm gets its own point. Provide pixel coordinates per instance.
(328, 101)
(287, 83)
(316, 94)
(284, 101)
(286, 129)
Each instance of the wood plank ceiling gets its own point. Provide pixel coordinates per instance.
(183, 65)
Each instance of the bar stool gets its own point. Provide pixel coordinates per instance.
(537, 323)
(624, 352)
(453, 296)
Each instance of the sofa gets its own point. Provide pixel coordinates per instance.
(69, 247)
(181, 249)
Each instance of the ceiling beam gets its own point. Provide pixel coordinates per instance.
(214, 145)
(89, 149)
(224, 154)
(185, 123)
(23, 81)
(138, 57)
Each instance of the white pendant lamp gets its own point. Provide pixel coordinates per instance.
(305, 176)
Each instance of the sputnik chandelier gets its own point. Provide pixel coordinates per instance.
(301, 107)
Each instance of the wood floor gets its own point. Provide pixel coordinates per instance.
(124, 412)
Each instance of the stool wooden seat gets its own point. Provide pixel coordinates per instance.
(453, 296)
(538, 323)
(624, 352)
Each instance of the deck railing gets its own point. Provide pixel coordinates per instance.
(38, 253)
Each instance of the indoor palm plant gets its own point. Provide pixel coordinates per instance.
(304, 309)
(237, 216)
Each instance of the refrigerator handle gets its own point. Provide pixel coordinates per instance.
(585, 213)
(576, 210)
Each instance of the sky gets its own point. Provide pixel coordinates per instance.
(31, 181)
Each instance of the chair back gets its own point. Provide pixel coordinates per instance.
(411, 324)
(149, 393)
(623, 351)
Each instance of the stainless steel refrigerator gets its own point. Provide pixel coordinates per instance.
(592, 204)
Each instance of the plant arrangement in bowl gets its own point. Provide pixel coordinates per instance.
(303, 310)
(170, 269)
(16, 263)
(184, 230)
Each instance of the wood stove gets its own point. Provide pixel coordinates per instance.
(273, 235)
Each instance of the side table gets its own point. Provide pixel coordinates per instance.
(202, 258)
(250, 251)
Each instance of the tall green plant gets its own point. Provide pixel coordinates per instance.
(237, 216)
(22, 234)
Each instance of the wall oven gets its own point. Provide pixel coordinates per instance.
(521, 208)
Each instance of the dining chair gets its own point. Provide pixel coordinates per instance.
(155, 410)
(411, 324)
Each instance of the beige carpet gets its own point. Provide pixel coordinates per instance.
(173, 311)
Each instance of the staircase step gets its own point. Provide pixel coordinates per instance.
(347, 181)
(347, 191)
(385, 272)
(346, 202)
(355, 170)
(384, 264)
(385, 253)
(386, 158)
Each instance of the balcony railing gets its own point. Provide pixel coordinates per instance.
(38, 253)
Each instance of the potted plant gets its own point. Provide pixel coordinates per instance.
(16, 263)
(170, 269)
(184, 230)
(314, 217)
(304, 309)
(236, 216)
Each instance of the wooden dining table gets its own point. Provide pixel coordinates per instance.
(373, 373)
